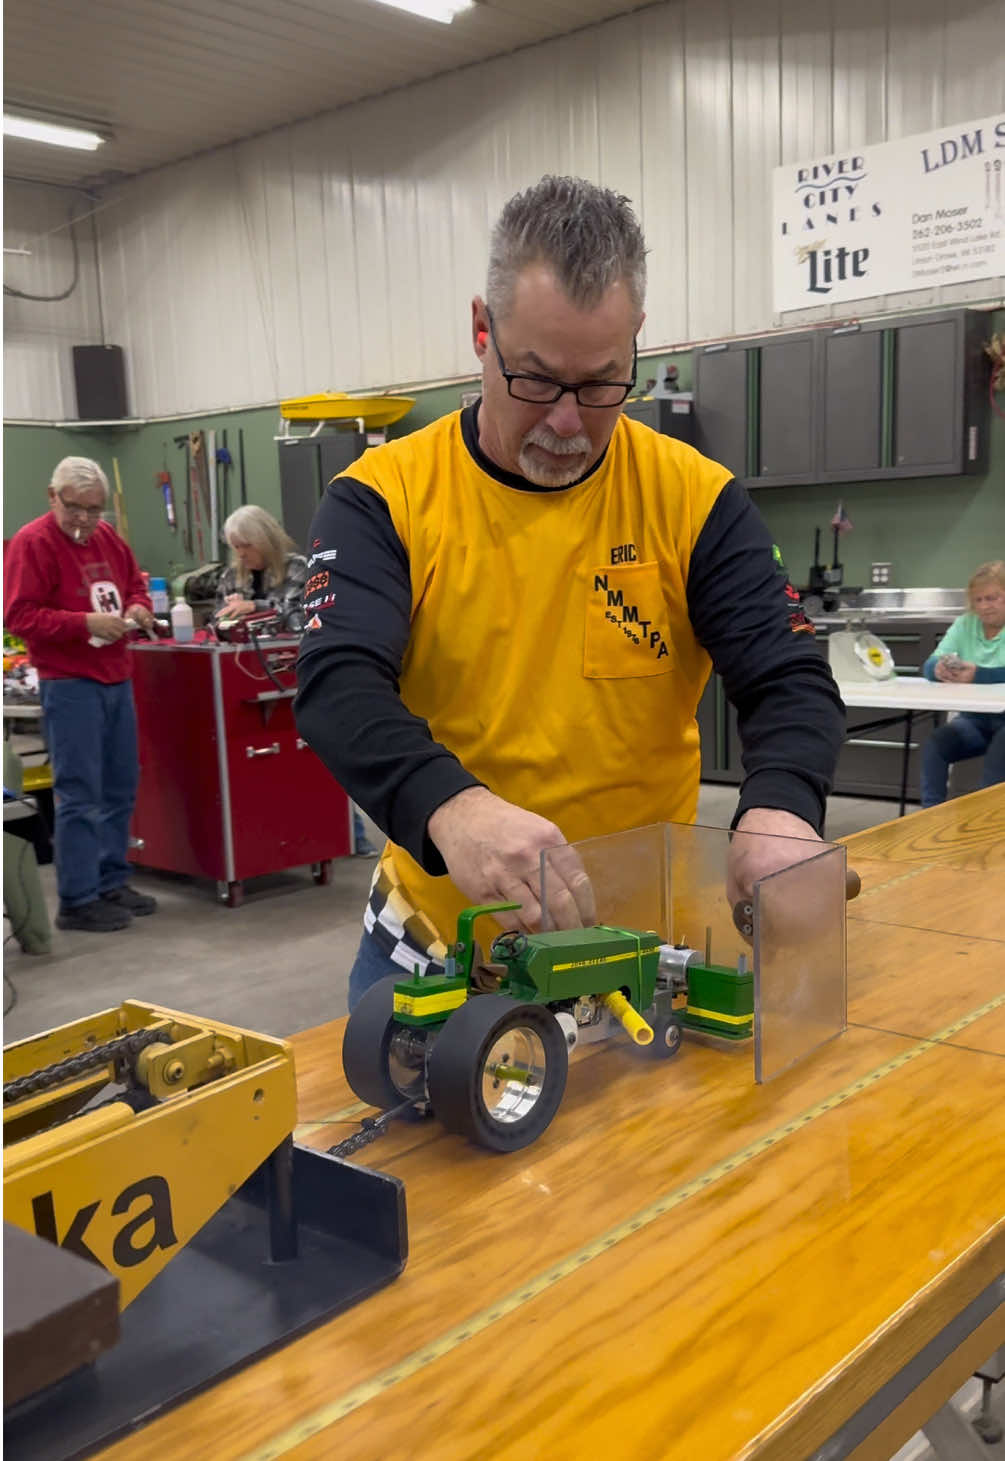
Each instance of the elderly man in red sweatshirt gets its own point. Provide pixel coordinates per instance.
(72, 590)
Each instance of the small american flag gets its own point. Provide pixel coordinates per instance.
(841, 520)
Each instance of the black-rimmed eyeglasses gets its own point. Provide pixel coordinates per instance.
(541, 390)
(91, 513)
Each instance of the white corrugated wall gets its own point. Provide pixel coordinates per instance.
(38, 338)
(342, 253)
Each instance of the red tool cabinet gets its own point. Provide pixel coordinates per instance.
(228, 789)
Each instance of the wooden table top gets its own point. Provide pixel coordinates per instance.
(686, 1266)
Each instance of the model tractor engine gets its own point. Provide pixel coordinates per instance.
(486, 1046)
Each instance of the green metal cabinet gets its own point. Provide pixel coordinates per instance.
(860, 402)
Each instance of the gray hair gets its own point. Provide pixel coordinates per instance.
(587, 235)
(79, 472)
(259, 529)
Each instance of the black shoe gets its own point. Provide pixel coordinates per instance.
(127, 898)
(96, 917)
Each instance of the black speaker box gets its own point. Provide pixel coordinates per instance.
(100, 375)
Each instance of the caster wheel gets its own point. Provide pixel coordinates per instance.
(322, 873)
(666, 1041)
(497, 1072)
(384, 1062)
(232, 894)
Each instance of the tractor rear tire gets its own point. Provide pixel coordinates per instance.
(366, 1045)
(468, 1088)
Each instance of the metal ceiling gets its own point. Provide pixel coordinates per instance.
(173, 79)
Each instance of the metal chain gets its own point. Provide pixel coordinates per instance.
(127, 1097)
(124, 1050)
(370, 1128)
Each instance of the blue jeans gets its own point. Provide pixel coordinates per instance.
(91, 733)
(960, 739)
(369, 967)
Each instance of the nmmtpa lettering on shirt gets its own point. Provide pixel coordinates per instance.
(626, 623)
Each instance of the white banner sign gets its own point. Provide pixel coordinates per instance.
(911, 214)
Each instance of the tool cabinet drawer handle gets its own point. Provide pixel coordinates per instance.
(272, 750)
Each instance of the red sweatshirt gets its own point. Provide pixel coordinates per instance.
(50, 586)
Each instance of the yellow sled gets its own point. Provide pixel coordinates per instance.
(376, 411)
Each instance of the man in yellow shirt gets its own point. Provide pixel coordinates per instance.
(522, 603)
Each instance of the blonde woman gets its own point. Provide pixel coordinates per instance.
(265, 570)
(972, 651)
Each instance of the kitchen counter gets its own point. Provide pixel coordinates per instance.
(875, 620)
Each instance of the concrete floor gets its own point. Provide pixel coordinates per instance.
(279, 963)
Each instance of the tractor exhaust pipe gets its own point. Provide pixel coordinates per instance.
(633, 1022)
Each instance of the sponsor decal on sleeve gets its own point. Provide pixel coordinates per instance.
(317, 582)
(799, 624)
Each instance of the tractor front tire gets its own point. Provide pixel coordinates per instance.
(666, 1040)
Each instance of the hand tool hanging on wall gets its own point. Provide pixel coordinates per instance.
(244, 484)
(186, 536)
(214, 505)
(206, 501)
(121, 519)
(196, 461)
(163, 481)
(224, 463)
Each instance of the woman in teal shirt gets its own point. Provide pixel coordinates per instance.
(972, 651)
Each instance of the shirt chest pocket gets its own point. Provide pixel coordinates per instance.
(627, 633)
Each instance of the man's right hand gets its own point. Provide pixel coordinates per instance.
(106, 626)
(492, 851)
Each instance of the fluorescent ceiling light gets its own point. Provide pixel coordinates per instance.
(59, 134)
(441, 10)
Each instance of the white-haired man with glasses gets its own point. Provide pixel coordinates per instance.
(522, 603)
(72, 590)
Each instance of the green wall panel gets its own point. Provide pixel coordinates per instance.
(934, 530)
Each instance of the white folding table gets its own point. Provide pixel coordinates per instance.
(910, 697)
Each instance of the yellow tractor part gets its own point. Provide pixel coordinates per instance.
(129, 1188)
(640, 1031)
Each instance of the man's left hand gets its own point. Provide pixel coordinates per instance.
(140, 615)
(775, 839)
(965, 673)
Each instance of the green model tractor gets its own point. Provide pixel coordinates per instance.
(486, 1046)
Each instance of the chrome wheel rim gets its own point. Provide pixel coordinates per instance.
(406, 1064)
(512, 1076)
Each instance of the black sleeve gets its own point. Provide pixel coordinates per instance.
(348, 707)
(747, 615)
